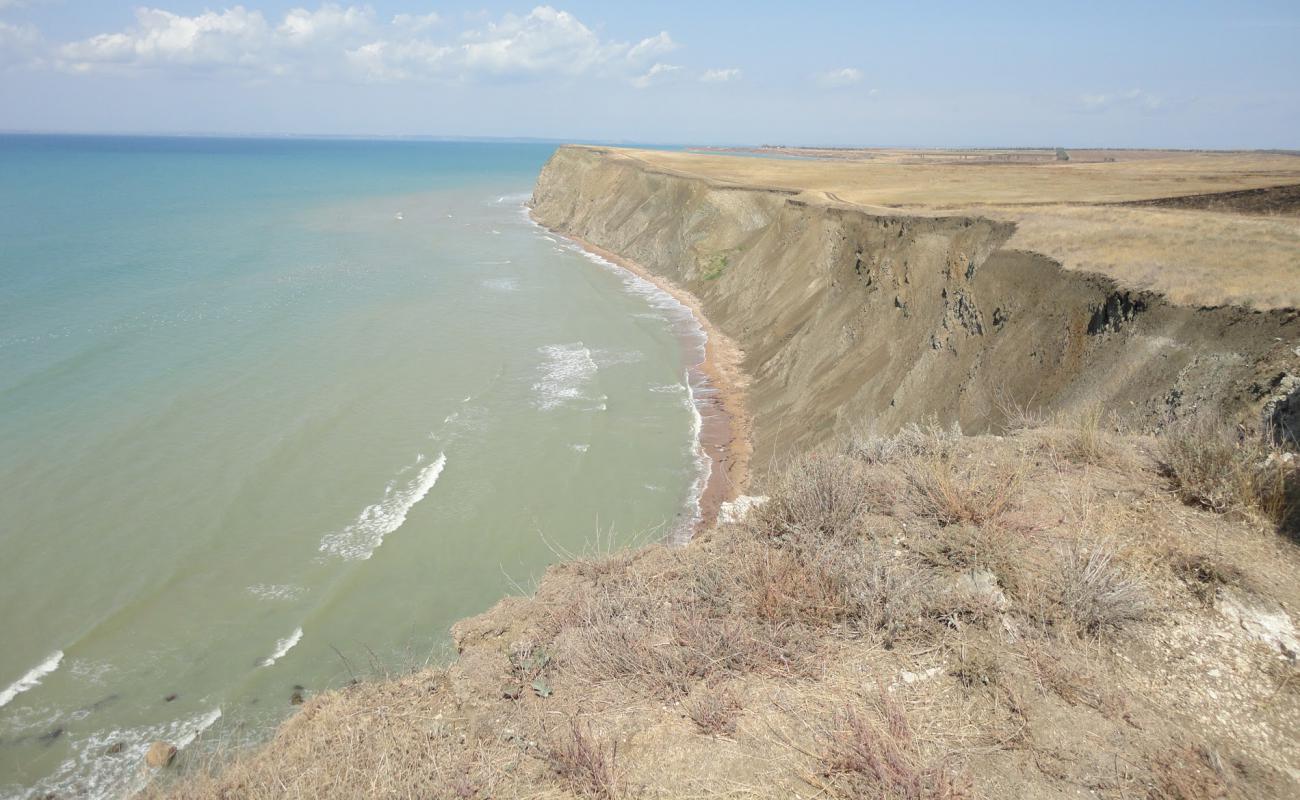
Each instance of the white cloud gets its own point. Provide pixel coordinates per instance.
(544, 41)
(336, 40)
(840, 77)
(329, 23)
(416, 23)
(655, 45)
(654, 75)
(721, 75)
(234, 37)
(1132, 98)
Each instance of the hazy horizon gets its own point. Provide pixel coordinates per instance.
(1178, 76)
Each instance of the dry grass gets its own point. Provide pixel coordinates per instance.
(1085, 438)
(714, 710)
(1193, 256)
(888, 183)
(1188, 773)
(1096, 593)
(586, 764)
(874, 754)
(372, 740)
(956, 494)
(1223, 470)
(858, 572)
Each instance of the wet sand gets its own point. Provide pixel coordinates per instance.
(725, 427)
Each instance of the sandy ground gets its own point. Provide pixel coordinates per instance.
(725, 430)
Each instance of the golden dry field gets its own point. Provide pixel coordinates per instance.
(1079, 212)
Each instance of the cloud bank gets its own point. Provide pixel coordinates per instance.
(341, 42)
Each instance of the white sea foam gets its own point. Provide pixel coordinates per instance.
(360, 539)
(276, 591)
(703, 466)
(684, 323)
(580, 448)
(32, 679)
(670, 388)
(92, 772)
(283, 646)
(567, 370)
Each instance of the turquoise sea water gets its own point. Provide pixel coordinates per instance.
(273, 413)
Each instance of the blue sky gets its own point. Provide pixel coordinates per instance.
(1190, 74)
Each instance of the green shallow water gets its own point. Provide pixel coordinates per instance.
(274, 413)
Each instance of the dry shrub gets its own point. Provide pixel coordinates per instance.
(976, 666)
(876, 755)
(1019, 416)
(713, 710)
(1095, 593)
(820, 495)
(911, 441)
(664, 648)
(1187, 773)
(586, 765)
(1213, 467)
(1084, 438)
(951, 494)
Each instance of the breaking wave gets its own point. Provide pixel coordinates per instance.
(359, 540)
(32, 679)
(282, 647)
(567, 370)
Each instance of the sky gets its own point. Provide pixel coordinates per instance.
(1132, 74)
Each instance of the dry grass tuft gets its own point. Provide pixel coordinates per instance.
(951, 494)
(665, 644)
(1095, 593)
(1085, 439)
(1188, 773)
(585, 764)
(714, 710)
(1218, 469)
(911, 441)
(877, 756)
(818, 495)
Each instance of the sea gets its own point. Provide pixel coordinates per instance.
(275, 413)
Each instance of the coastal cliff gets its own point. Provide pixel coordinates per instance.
(1036, 605)
(850, 317)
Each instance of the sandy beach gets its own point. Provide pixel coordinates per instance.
(725, 428)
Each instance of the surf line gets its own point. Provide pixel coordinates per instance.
(717, 388)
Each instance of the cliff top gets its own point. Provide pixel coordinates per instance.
(1204, 228)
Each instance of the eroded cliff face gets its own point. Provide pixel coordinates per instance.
(851, 319)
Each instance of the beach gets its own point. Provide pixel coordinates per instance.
(725, 428)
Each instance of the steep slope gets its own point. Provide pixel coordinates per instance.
(849, 317)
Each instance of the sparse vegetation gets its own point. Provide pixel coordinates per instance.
(714, 710)
(1223, 470)
(876, 755)
(1095, 592)
(714, 266)
(998, 605)
(583, 762)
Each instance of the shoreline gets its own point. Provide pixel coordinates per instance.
(725, 425)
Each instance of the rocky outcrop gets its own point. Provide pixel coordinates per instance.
(851, 318)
